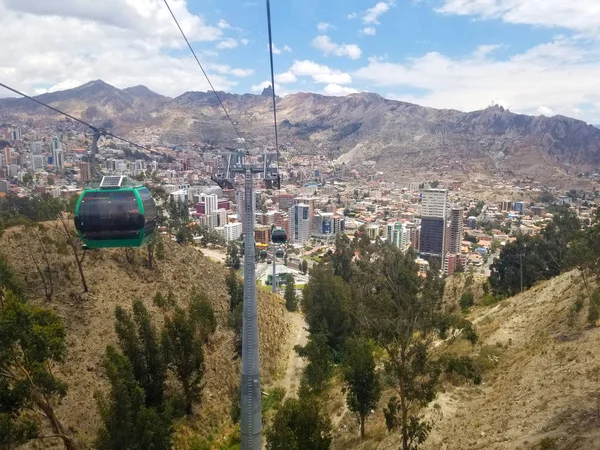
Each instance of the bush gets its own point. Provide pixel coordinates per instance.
(489, 299)
(466, 300)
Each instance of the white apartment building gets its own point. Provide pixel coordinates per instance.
(300, 223)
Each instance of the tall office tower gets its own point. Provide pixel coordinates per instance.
(456, 230)
(56, 145)
(58, 159)
(433, 225)
(37, 162)
(36, 148)
(299, 223)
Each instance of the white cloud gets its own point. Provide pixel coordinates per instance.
(286, 77)
(228, 70)
(369, 31)
(373, 59)
(483, 50)
(352, 16)
(560, 75)
(580, 15)
(276, 50)
(244, 41)
(337, 90)
(65, 43)
(327, 46)
(223, 24)
(320, 73)
(323, 26)
(544, 110)
(371, 15)
(260, 86)
(227, 43)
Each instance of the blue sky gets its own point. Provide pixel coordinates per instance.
(531, 56)
(463, 54)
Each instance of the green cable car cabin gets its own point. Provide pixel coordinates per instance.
(278, 235)
(117, 213)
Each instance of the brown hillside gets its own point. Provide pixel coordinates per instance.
(115, 281)
(544, 377)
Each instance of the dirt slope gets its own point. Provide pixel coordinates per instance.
(115, 281)
(545, 383)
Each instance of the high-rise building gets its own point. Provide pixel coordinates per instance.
(310, 202)
(58, 159)
(456, 230)
(323, 224)
(56, 145)
(433, 224)
(339, 224)
(210, 201)
(7, 156)
(285, 201)
(4, 186)
(37, 162)
(36, 148)
(231, 231)
(218, 218)
(299, 223)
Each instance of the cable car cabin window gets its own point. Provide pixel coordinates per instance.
(149, 210)
(110, 215)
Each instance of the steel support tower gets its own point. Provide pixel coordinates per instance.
(251, 420)
(232, 163)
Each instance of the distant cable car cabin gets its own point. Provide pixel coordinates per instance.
(278, 236)
(279, 253)
(117, 213)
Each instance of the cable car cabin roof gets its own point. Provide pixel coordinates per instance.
(121, 217)
(279, 236)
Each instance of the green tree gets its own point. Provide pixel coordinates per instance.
(363, 387)
(298, 425)
(521, 264)
(203, 315)
(182, 345)
(184, 235)
(327, 304)
(304, 266)
(402, 312)
(139, 342)
(291, 303)
(342, 257)
(127, 423)
(235, 288)
(233, 257)
(32, 342)
(319, 369)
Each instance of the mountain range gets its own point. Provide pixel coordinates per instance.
(401, 139)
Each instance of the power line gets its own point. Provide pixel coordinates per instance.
(204, 72)
(95, 129)
(273, 91)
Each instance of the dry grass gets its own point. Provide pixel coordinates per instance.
(114, 281)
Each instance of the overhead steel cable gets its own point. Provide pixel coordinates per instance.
(273, 92)
(273, 80)
(205, 74)
(94, 128)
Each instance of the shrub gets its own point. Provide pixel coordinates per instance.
(466, 301)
